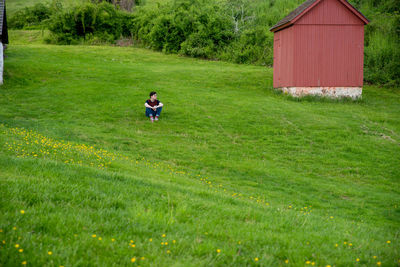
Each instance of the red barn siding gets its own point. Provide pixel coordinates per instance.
(328, 55)
(323, 48)
(284, 57)
(330, 12)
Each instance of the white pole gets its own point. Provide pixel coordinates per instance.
(1, 63)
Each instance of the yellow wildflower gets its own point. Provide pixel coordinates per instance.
(388, 241)
(93, 236)
(20, 250)
(378, 263)
(50, 253)
(24, 263)
(22, 211)
(286, 261)
(357, 259)
(256, 259)
(163, 235)
(218, 250)
(17, 245)
(133, 259)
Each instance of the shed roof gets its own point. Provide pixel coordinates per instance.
(2, 5)
(307, 6)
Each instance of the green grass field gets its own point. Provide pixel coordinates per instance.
(233, 174)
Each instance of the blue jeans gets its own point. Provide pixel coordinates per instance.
(151, 112)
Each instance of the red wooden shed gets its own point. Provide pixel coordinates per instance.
(319, 49)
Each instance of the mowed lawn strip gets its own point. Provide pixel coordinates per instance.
(266, 156)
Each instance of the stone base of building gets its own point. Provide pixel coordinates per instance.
(334, 92)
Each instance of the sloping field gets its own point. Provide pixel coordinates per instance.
(232, 174)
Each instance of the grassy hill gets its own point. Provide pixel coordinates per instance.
(233, 173)
(15, 5)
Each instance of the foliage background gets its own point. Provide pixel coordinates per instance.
(229, 30)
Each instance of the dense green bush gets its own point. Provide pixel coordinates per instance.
(382, 41)
(30, 17)
(88, 21)
(188, 27)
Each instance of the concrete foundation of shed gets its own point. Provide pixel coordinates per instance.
(334, 92)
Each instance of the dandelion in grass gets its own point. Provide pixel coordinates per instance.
(93, 236)
(336, 245)
(328, 265)
(166, 243)
(133, 259)
(388, 242)
(357, 259)
(14, 228)
(312, 263)
(378, 263)
(163, 235)
(112, 239)
(286, 261)
(218, 251)
(50, 253)
(24, 263)
(100, 238)
(22, 211)
(16, 245)
(374, 257)
(345, 242)
(256, 259)
(142, 258)
(168, 251)
(308, 262)
(173, 241)
(150, 239)
(133, 245)
(20, 250)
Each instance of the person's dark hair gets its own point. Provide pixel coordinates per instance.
(152, 93)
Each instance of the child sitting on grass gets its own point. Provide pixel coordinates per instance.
(153, 107)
